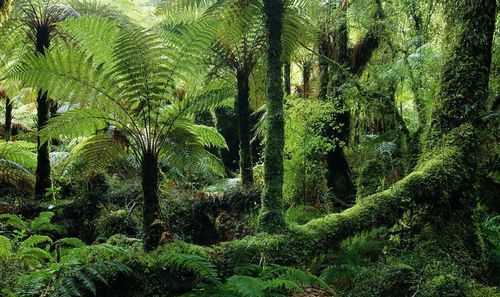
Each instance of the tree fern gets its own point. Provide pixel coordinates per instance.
(134, 90)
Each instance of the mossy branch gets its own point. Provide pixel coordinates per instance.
(438, 177)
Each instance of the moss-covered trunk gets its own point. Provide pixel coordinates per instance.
(8, 118)
(151, 208)
(43, 179)
(334, 46)
(324, 70)
(242, 107)
(464, 87)
(270, 218)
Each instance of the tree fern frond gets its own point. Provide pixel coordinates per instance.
(140, 69)
(70, 242)
(20, 152)
(34, 256)
(16, 175)
(14, 221)
(95, 153)
(99, 9)
(208, 136)
(75, 123)
(97, 35)
(68, 74)
(35, 241)
(43, 223)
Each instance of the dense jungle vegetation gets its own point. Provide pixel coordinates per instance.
(249, 148)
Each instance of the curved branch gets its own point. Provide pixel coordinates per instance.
(445, 173)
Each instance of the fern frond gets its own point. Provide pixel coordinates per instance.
(16, 175)
(199, 265)
(34, 256)
(95, 153)
(68, 73)
(14, 221)
(20, 152)
(75, 123)
(247, 286)
(97, 35)
(208, 136)
(43, 223)
(35, 241)
(5, 247)
(140, 59)
(70, 242)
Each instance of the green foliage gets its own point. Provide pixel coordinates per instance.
(17, 163)
(301, 214)
(262, 282)
(39, 225)
(306, 148)
(80, 271)
(142, 69)
(111, 222)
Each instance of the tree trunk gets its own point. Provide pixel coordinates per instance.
(324, 73)
(242, 107)
(43, 181)
(464, 90)
(335, 45)
(151, 208)
(271, 219)
(306, 79)
(288, 78)
(8, 118)
(339, 178)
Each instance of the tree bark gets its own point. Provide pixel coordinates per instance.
(151, 208)
(270, 218)
(306, 79)
(464, 90)
(288, 77)
(8, 118)
(334, 45)
(243, 110)
(324, 71)
(43, 180)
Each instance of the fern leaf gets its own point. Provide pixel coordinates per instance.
(35, 241)
(5, 247)
(14, 221)
(247, 286)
